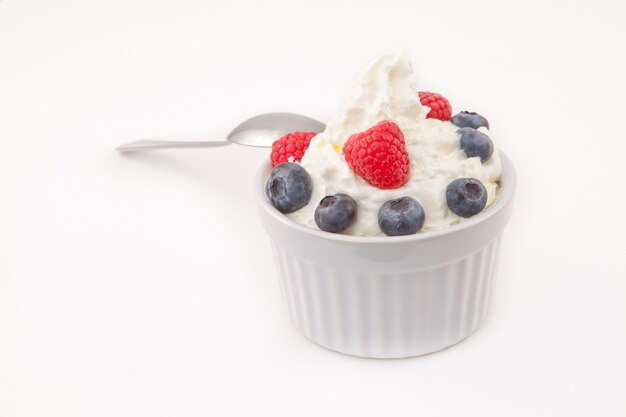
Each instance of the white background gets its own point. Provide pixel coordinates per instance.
(145, 286)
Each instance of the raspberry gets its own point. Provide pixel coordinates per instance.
(440, 107)
(379, 155)
(291, 147)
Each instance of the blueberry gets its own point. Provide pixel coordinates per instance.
(402, 216)
(289, 187)
(469, 119)
(335, 213)
(466, 196)
(475, 143)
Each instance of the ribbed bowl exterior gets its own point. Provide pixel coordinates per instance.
(387, 315)
(385, 297)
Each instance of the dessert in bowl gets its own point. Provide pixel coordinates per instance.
(386, 226)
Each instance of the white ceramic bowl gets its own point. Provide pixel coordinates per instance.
(388, 297)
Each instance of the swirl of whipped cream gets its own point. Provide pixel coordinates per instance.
(385, 92)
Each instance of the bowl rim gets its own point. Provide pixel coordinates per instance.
(507, 185)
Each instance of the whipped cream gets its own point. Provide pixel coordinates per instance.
(385, 92)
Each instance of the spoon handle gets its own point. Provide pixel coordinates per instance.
(141, 145)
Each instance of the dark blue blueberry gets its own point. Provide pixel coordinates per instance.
(466, 196)
(469, 119)
(335, 213)
(475, 143)
(402, 216)
(289, 187)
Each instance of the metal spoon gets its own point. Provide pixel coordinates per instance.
(260, 131)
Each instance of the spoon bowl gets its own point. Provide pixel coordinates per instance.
(259, 131)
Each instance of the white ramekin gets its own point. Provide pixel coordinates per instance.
(388, 297)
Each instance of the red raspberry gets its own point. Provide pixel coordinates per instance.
(291, 147)
(379, 155)
(440, 107)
